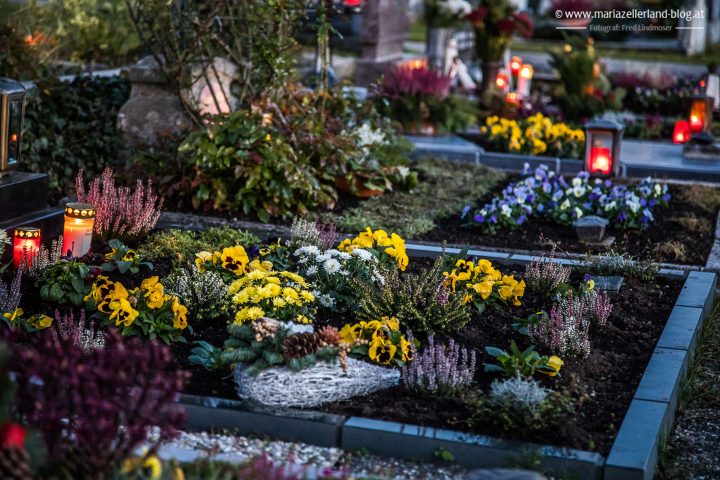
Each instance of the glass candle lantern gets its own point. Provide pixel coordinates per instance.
(524, 78)
(12, 110)
(681, 132)
(700, 117)
(511, 98)
(26, 244)
(78, 231)
(602, 147)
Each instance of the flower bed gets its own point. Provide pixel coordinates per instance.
(647, 219)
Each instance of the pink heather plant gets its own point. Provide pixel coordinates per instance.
(122, 213)
(439, 369)
(565, 331)
(400, 81)
(544, 276)
(597, 307)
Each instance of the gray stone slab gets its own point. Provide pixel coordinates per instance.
(665, 160)
(661, 380)
(434, 251)
(610, 284)
(571, 166)
(451, 147)
(698, 291)
(513, 162)
(635, 452)
(470, 450)
(682, 328)
(311, 427)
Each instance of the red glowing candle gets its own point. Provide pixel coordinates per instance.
(512, 98)
(501, 82)
(77, 234)
(681, 132)
(600, 160)
(515, 65)
(26, 244)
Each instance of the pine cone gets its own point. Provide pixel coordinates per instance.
(15, 464)
(300, 345)
(329, 336)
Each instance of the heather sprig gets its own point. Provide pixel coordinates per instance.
(95, 407)
(597, 307)
(545, 276)
(439, 369)
(45, 258)
(10, 295)
(566, 330)
(121, 212)
(81, 333)
(203, 293)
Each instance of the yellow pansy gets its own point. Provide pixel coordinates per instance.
(392, 323)
(484, 289)
(179, 314)
(202, 258)
(381, 350)
(555, 364)
(234, 259)
(349, 333)
(150, 283)
(122, 312)
(40, 321)
(11, 317)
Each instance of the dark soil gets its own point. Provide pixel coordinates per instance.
(605, 381)
(682, 233)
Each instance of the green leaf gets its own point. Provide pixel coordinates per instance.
(495, 352)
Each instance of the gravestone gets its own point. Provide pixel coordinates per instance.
(385, 28)
(154, 110)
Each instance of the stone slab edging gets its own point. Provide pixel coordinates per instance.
(633, 456)
(190, 221)
(649, 419)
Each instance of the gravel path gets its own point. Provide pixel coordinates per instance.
(238, 449)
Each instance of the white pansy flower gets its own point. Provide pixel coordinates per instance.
(578, 190)
(506, 210)
(565, 205)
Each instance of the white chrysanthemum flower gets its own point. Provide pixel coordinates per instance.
(331, 266)
(312, 270)
(363, 254)
(367, 135)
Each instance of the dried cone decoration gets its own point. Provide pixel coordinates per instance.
(14, 458)
(300, 345)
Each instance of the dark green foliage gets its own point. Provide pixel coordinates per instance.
(70, 126)
(418, 300)
(64, 283)
(124, 259)
(206, 355)
(517, 417)
(517, 363)
(243, 347)
(182, 245)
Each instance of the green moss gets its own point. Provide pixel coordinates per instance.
(445, 188)
(182, 245)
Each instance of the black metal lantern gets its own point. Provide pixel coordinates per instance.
(701, 114)
(12, 111)
(602, 147)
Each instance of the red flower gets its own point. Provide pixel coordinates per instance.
(477, 16)
(12, 435)
(523, 23)
(506, 25)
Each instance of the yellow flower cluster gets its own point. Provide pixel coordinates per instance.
(124, 307)
(38, 322)
(483, 280)
(261, 291)
(381, 338)
(392, 246)
(531, 136)
(233, 259)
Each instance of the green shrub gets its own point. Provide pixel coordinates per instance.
(285, 156)
(20, 59)
(70, 126)
(418, 300)
(182, 245)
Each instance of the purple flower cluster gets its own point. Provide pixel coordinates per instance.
(543, 194)
(10, 295)
(439, 369)
(94, 407)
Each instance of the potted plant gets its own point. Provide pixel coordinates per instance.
(495, 22)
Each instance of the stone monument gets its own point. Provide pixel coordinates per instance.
(384, 30)
(154, 110)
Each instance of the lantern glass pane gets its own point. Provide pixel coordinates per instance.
(15, 124)
(601, 139)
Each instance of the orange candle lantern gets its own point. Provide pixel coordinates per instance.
(77, 234)
(515, 65)
(700, 117)
(501, 82)
(524, 77)
(602, 147)
(26, 245)
(681, 132)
